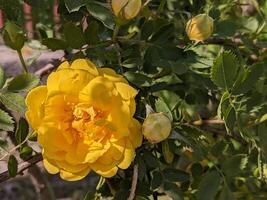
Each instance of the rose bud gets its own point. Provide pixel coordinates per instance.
(156, 127)
(199, 28)
(126, 10)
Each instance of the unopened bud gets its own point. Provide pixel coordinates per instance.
(126, 9)
(200, 27)
(156, 127)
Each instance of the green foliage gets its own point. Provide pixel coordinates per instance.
(6, 122)
(214, 92)
(12, 166)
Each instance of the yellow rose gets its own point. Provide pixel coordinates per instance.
(200, 27)
(126, 9)
(156, 127)
(84, 120)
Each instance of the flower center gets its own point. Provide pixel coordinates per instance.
(88, 121)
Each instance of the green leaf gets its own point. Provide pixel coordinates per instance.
(175, 175)
(161, 106)
(75, 5)
(224, 70)
(141, 167)
(173, 191)
(138, 79)
(12, 166)
(73, 35)
(101, 13)
(23, 82)
(151, 160)
(54, 44)
(25, 152)
(21, 131)
(249, 78)
(209, 186)
(6, 122)
(91, 33)
(226, 194)
(170, 98)
(13, 101)
(262, 133)
(13, 36)
(157, 179)
(2, 77)
(234, 165)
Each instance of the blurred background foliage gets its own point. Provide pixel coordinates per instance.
(214, 91)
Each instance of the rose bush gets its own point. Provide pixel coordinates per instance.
(84, 120)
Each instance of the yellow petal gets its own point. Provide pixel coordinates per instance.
(120, 117)
(99, 92)
(68, 176)
(132, 9)
(111, 75)
(114, 154)
(126, 91)
(34, 102)
(104, 170)
(135, 135)
(118, 5)
(85, 64)
(68, 81)
(128, 157)
(64, 65)
(52, 169)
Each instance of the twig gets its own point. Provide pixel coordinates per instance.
(16, 147)
(45, 70)
(22, 166)
(202, 122)
(134, 183)
(41, 184)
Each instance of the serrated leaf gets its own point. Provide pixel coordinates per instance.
(13, 36)
(12, 166)
(2, 77)
(13, 101)
(6, 122)
(73, 6)
(73, 35)
(23, 82)
(22, 130)
(151, 160)
(138, 79)
(224, 70)
(101, 13)
(234, 165)
(175, 175)
(249, 78)
(54, 44)
(209, 186)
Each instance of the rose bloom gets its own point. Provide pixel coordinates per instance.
(199, 28)
(126, 9)
(84, 120)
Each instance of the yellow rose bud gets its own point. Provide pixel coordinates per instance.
(199, 28)
(126, 9)
(156, 127)
(84, 120)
